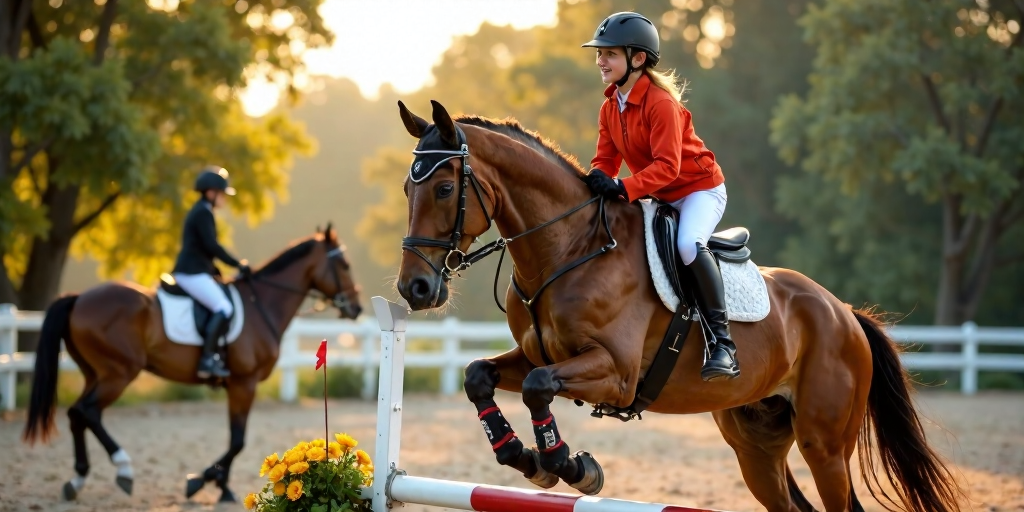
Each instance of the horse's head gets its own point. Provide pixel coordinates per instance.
(332, 274)
(444, 218)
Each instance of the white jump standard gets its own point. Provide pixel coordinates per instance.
(392, 487)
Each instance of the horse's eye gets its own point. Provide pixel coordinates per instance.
(445, 190)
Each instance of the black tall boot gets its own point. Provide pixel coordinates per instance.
(722, 361)
(210, 364)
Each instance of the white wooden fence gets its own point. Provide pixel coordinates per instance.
(355, 344)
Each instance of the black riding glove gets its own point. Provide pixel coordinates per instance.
(604, 185)
(244, 270)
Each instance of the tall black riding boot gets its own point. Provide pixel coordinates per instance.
(210, 364)
(722, 361)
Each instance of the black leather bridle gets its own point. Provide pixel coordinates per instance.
(340, 300)
(463, 261)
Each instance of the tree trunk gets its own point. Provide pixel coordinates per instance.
(46, 260)
(961, 286)
(947, 304)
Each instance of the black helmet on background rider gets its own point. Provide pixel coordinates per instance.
(632, 31)
(214, 178)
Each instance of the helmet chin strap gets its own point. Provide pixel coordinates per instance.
(629, 68)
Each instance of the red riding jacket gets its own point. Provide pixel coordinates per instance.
(655, 135)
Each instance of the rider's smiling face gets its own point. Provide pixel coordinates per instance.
(612, 63)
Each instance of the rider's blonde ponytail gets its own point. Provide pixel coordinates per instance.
(667, 80)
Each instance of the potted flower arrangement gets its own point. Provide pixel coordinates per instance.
(316, 477)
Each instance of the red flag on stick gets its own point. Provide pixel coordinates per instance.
(321, 355)
(321, 360)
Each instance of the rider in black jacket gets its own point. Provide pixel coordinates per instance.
(194, 268)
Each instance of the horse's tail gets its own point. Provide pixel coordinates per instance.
(56, 325)
(913, 469)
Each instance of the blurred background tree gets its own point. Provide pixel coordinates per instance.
(912, 147)
(109, 108)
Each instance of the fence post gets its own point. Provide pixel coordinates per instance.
(289, 391)
(392, 320)
(8, 346)
(969, 373)
(368, 349)
(450, 349)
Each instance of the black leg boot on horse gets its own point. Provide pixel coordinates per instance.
(722, 361)
(210, 364)
(481, 380)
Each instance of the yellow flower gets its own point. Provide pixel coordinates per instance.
(316, 454)
(278, 472)
(317, 443)
(302, 446)
(363, 458)
(269, 463)
(334, 450)
(367, 471)
(294, 455)
(295, 490)
(250, 501)
(298, 468)
(279, 489)
(346, 441)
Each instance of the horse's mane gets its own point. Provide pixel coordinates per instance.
(285, 258)
(511, 128)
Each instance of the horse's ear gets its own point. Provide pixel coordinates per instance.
(444, 123)
(328, 234)
(415, 125)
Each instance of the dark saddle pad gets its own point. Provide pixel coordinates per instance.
(201, 313)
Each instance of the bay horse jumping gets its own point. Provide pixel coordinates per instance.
(115, 330)
(815, 371)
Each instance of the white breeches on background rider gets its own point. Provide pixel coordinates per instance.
(204, 289)
(699, 215)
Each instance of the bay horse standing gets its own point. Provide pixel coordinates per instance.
(115, 330)
(588, 322)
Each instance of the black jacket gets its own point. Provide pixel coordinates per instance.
(199, 244)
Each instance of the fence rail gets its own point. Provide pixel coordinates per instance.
(356, 345)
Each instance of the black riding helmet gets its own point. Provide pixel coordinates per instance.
(632, 31)
(214, 178)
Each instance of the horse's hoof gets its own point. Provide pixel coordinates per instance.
(542, 478)
(193, 483)
(593, 475)
(226, 496)
(69, 492)
(125, 484)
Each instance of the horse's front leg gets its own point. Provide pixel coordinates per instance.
(505, 371)
(241, 393)
(591, 376)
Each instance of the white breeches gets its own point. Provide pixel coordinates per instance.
(204, 289)
(699, 214)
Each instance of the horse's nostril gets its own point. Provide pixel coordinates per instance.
(420, 288)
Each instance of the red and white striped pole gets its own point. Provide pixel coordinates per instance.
(391, 484)
(493, 498)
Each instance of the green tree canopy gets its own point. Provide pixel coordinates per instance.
(107, 111)
(910, 137)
